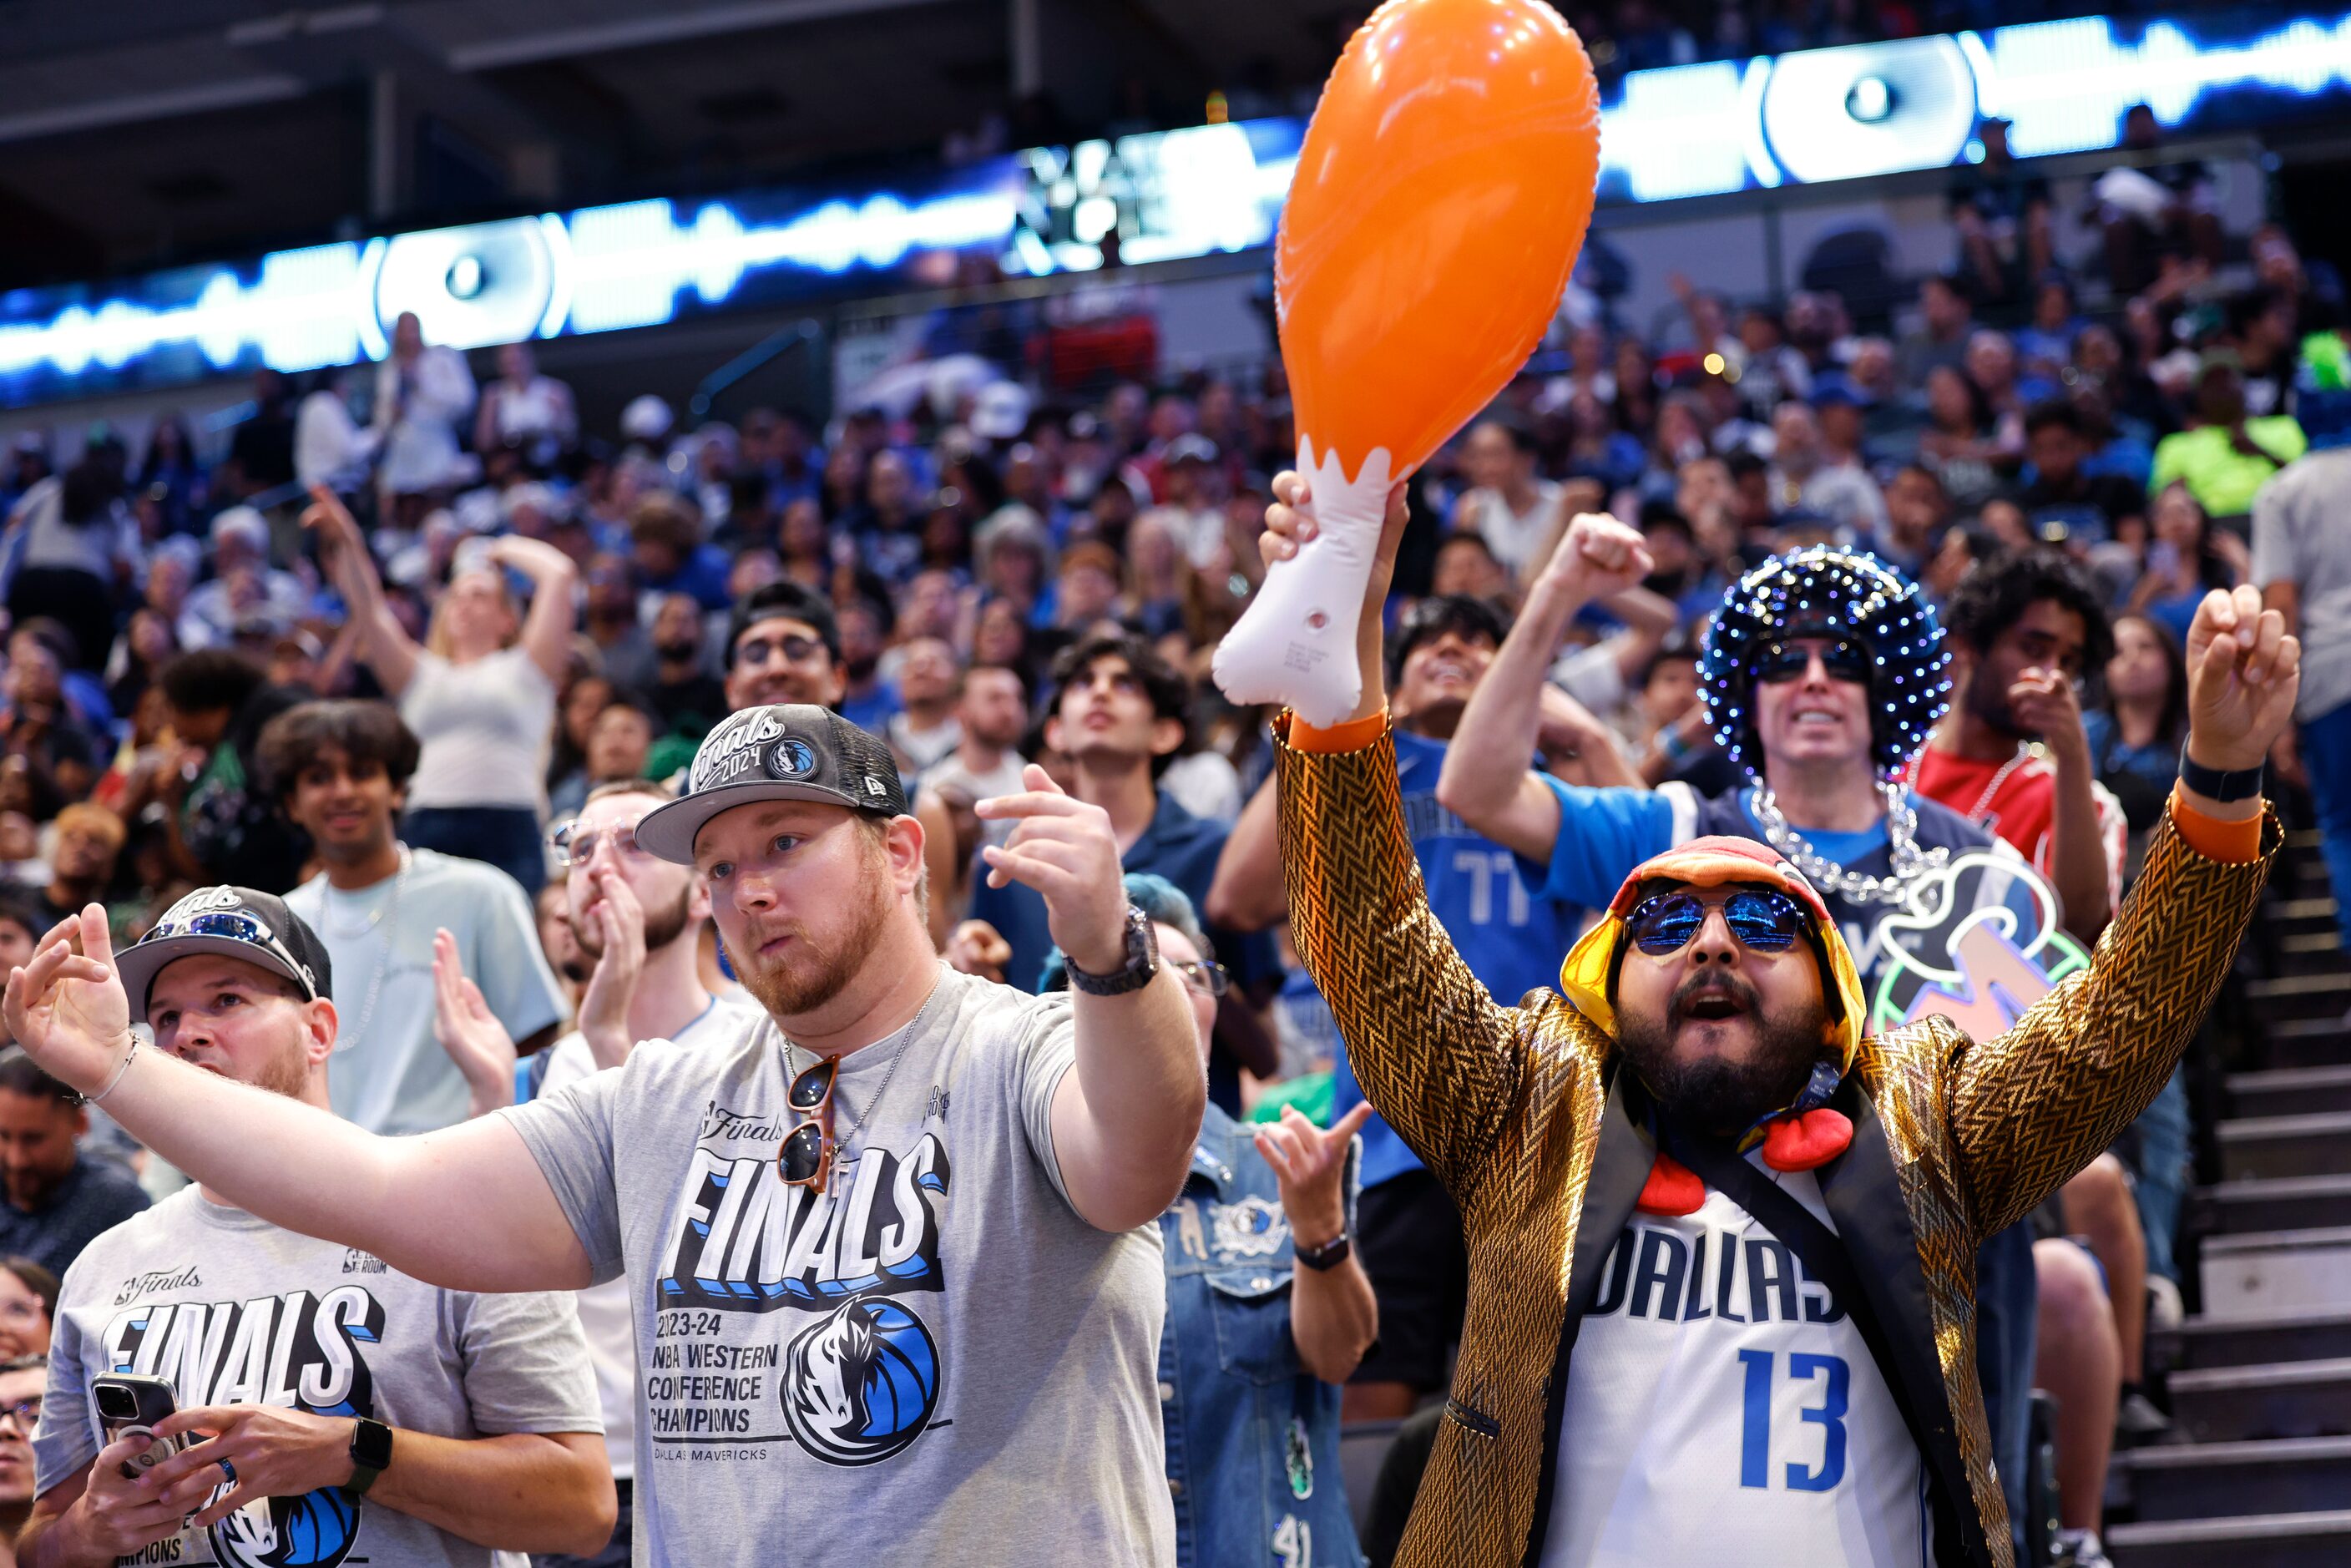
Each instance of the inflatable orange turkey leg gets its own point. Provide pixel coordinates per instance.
(1440, 199)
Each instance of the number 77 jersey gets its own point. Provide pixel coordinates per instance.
(1716, 1385)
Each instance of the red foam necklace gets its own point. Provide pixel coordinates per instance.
(1790, 1144)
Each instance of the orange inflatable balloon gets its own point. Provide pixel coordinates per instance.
(1440, 200)
(1441, 196)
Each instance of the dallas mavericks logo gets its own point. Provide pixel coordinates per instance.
(313, 1530)
(860, 1385)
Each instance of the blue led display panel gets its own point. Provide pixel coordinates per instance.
(1712, 128)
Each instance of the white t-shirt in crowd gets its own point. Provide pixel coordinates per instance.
(485, 728)
(1722, 1409)
(605, 1314)
(389, 1073)
(1512, 535)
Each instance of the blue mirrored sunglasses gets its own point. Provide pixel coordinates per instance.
(1763, 921)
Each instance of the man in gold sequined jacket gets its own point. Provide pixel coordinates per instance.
(1721, 1302)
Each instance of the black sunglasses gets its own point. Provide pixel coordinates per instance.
(1783, 662)
(1762, 921)
(794, 649)
(806, 1156)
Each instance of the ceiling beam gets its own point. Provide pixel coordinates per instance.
(638, 32)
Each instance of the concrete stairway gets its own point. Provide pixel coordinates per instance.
(2260, 1380)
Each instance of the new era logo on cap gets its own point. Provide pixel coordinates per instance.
(790, 751)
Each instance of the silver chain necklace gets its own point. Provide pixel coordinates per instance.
(383, 916)
(898, 1054)
(2024, 752)
(1905, 861)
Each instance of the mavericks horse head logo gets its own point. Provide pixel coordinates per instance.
(860, 1385)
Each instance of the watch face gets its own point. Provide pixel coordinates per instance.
(372, 1445)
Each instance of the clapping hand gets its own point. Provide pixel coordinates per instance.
(472, 1035)
(605, 1005)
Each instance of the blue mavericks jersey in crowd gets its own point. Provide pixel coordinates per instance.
(1490, 903)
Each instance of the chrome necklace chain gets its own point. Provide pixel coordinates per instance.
(1905, 861)
(2024, 752)
(905, 1037)
(384, 916)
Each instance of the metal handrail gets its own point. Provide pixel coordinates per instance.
(807, 329)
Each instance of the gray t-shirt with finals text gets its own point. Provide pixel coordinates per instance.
(936, 1361)
(230, 1310)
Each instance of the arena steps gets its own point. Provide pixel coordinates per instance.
(2225, 1481)
(2255, 1339)
(2258, 1384)
(2316, 1143)
(2281, 1399)
(2280, 1203)
(2321, 1041)
(2291, 1091)
(2320, 1539)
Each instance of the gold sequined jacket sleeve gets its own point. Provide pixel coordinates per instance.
(1435, 1055)
(2034, 1107)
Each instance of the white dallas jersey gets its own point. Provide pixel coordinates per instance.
(1722, 1409)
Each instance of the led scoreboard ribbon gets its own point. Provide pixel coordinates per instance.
(1804, 118)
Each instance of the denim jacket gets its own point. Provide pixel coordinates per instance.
(1252, 1437)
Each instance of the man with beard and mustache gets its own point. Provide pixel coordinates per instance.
(689, 698)
(1721, 1302)
(638, 921)
(398, 1422)
(2012, 755)
(892, 1252)
(1510, 937)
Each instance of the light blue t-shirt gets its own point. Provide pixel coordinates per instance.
(389, 1073)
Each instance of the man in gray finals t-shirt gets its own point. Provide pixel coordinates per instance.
(939, 1331)
(232, 1309)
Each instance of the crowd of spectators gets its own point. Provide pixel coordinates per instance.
(1018, 578)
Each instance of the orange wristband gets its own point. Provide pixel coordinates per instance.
(2232, 842)
(1351, 735)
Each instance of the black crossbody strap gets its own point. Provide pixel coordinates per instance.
(1825, 1258)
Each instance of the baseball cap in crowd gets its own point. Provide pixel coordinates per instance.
(1000, 411)
(231, 923)
(1191, 449)
(241, 521)
(647, 418)
(787, 751)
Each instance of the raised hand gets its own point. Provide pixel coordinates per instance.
(1290, 524)
(1064, 849)
(2045, 703)
(68, 1009)
(2243, 672)
(472, 1035)
(978, 948)
(1598, 557)
(1309, 1161)
(605, 1005)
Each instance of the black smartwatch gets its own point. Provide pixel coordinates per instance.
(370, 1455)
(2214, 784)
(1142, 961)
(1328, 1256)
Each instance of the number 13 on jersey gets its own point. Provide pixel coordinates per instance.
(1755, 1428)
